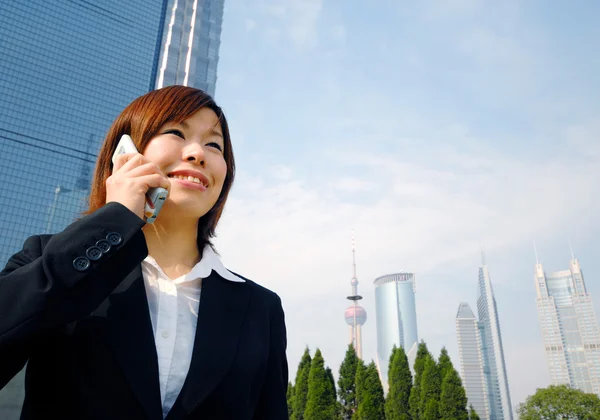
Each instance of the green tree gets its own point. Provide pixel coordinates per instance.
(431, 389)
(473, 414)
(347, 383)
(301, 386)
(453, 400)
(337, 407)
(361, 372)
(400, 384)
(444, 363)
(560, 402)
(321, 401)
(290, 400)
(414, 401)
(371, 401)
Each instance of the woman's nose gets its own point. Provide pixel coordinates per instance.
(194, 154)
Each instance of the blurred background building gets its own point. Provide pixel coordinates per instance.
(396, 318)
(470, 352)
(483, 368)
(569, 328)
(66, 71)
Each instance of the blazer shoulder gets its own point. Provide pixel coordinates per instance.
(262, 291)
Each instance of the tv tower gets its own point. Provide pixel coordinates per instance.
(355, 315)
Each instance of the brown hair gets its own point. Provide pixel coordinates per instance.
(142, 120)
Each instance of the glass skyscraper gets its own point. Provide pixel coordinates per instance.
(482, 354)
(190, 43)
(569, 328)
(493, 350)
(396, 319)
(65, 74)
(468, 331)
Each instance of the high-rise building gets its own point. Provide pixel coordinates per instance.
(569, 328)
(65, 74)
(470, 352)
(396, 318)
(355, 315)
(492, 349)
(191, 37)
(481, 353)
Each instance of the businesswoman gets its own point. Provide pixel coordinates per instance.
(117, 318)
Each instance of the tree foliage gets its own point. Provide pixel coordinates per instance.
(301, 386)
(400, 385)
(321, 399)
(560, 402)
(290, 400)
(347, 383)
(444, 363)
(453, 399)
(473, 414)
(431, 389)
(414, 401)
(370, 394)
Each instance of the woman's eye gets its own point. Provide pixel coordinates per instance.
(175, 132)
(216, 146)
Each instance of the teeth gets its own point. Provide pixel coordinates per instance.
(188, 178)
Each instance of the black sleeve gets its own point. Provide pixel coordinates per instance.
(45, 287)
(272, 402)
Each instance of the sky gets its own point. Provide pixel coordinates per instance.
(432, 130)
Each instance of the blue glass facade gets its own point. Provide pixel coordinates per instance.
(396, 317)
(191, 38)
(66, 71)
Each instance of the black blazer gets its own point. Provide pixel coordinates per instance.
(80, 319)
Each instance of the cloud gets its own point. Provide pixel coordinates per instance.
(297, 19)
(338, 33)
(250, 24)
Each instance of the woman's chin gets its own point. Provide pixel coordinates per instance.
(183, 210)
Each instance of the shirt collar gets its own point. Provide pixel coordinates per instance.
(210, 262)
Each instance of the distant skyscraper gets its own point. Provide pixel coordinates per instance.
(355, 315)
(189, 49)
(471, 360)
(66, 71)
(482, 355)
(396, 318)
(492, 349)
(569, 328)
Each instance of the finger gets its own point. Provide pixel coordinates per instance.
(154, 181)
(145, 169)
(128, 161)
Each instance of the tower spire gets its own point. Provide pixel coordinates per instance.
(571, 249)
(353, 257)
(355, 315)
(537, 260)
(482, 254)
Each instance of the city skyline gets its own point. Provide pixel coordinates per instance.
(569, 327)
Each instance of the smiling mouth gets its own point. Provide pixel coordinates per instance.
(189, 179)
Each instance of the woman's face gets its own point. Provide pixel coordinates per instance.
(191, 155)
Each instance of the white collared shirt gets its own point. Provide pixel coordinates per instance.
(173, 308)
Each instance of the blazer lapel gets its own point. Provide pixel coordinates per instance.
(130, 335)
(223, 306)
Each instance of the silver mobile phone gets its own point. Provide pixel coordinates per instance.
(156, 196)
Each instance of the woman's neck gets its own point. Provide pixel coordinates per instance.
(173, 245)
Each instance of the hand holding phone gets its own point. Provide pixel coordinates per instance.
(155, 197)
